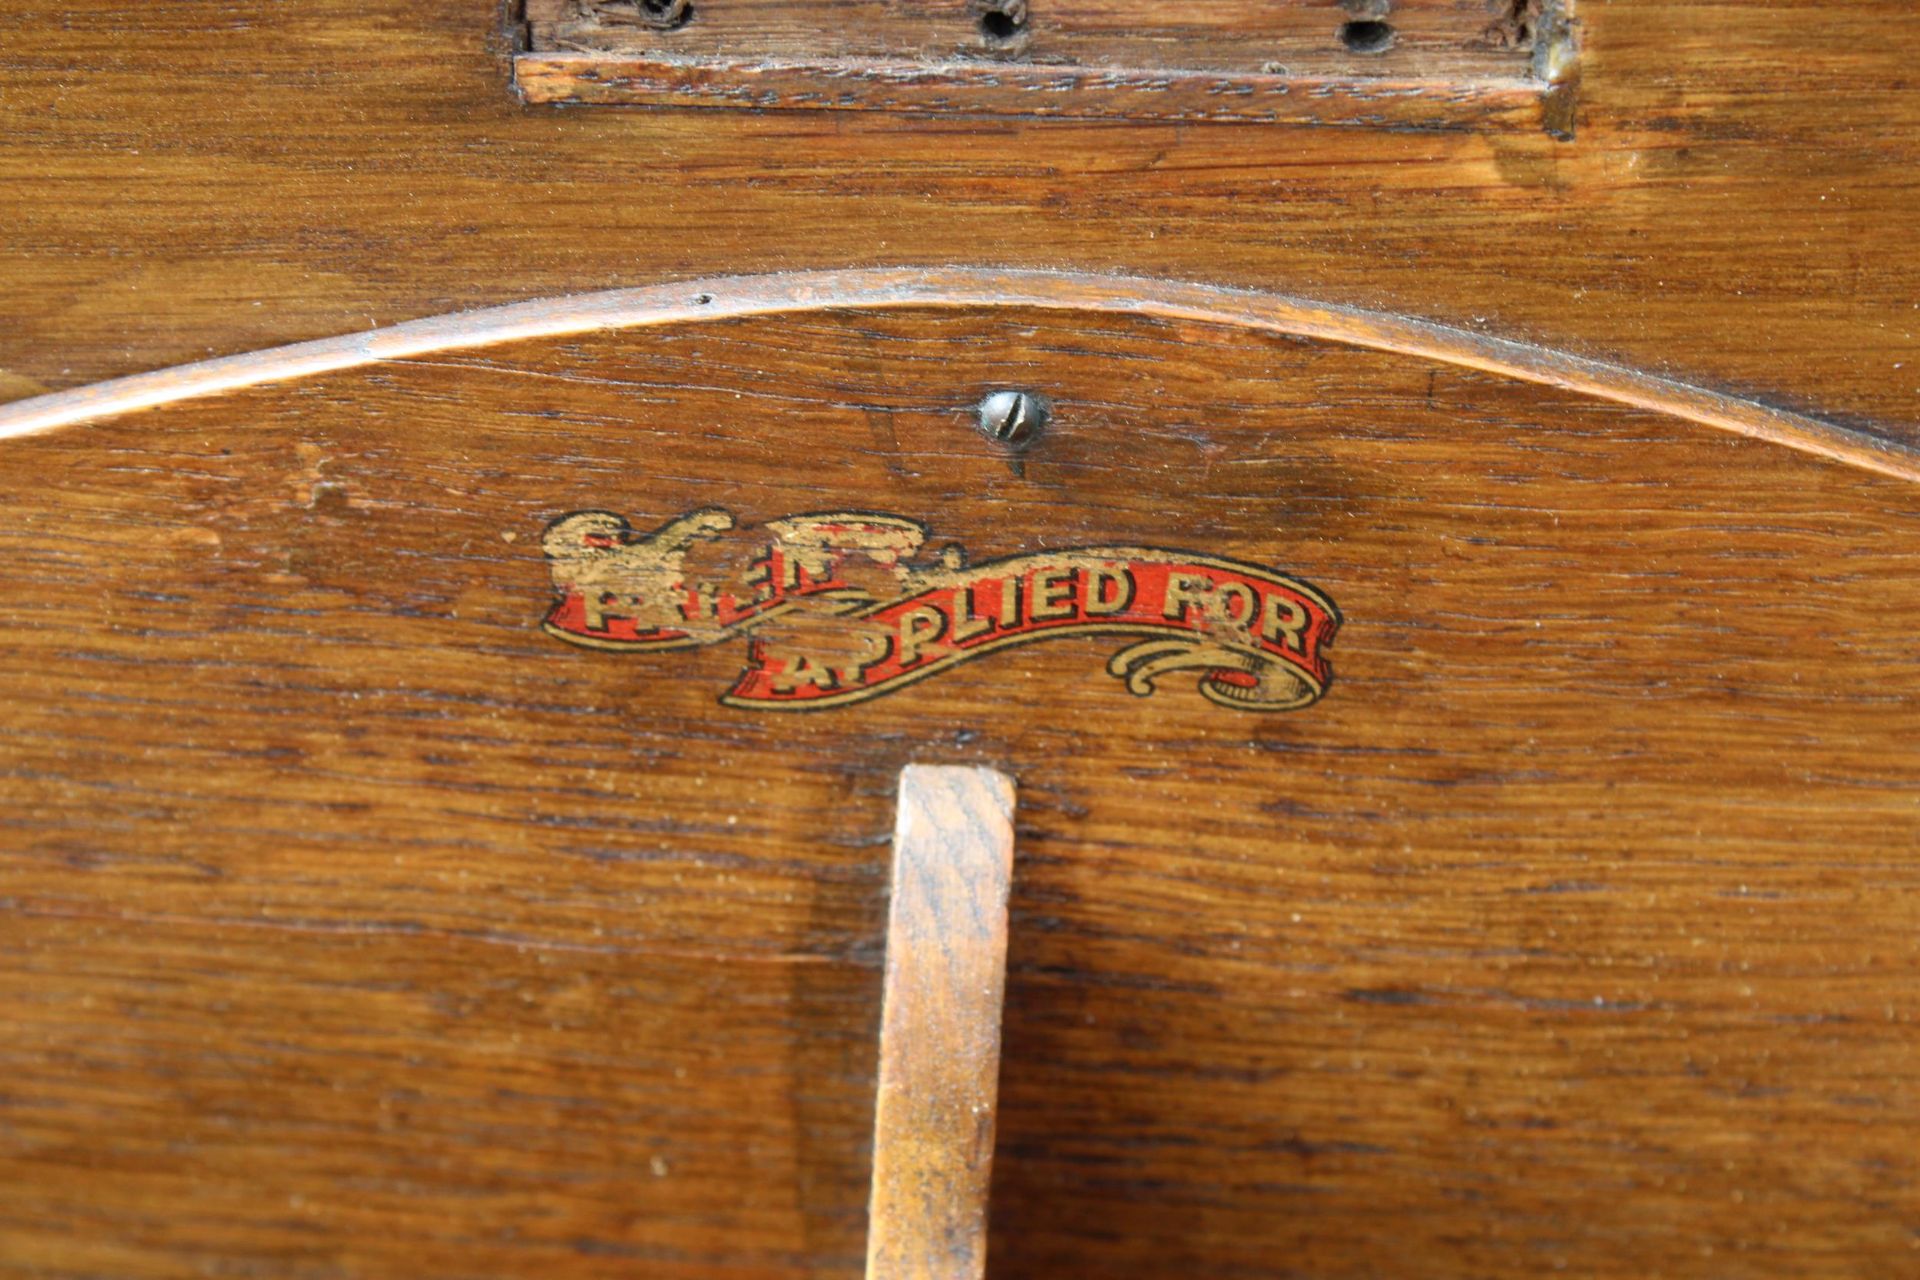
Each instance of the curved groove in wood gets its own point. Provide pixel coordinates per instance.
(728, 297)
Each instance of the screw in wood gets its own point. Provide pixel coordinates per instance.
(1014, 418)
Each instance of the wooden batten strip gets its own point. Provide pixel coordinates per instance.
(735, 296)
(1034, 92)
(940, 1025)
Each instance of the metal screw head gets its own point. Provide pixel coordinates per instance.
(1014, 418)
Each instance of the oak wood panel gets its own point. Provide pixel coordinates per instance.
(1425, 63)
(1573, 926)
(1034, 93)
(734, 297)
(213, 176)
(1438, 39)
(940, 1014)
(251, 1094)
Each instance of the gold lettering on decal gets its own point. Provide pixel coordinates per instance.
(759, 577)
(968, 623)
(603, 605)
(1109, 590)
(802, 672)
(919, 628)
(838, 607)
(1239, 603)
(702, 603)
(875, 646)
(1184, 591)
(1010, 615)
(1282, 621)
(1053, 594)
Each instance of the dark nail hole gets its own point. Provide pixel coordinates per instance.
(1367, 37)
(702, 299)
(666, 15)
(998, 25)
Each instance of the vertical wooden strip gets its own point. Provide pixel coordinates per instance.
(940, 1025)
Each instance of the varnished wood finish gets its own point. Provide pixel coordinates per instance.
(193, 179)
(357, 925)
(1434, 39)
(727, 298)
(939, 1077)
(1031, 93)
(351, 926)
(1368, 63)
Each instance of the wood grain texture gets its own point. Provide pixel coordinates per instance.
(354, 926)
(730, 297)
(1034, 93)
(1424, 63)
(1433, 39)
(209, 177)
(941, 1008)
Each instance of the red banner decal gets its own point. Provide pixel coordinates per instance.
(1256, 639)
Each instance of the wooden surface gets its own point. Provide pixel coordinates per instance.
(951, 288)
(209, 177)
(1427, 63)
(352, 926)
(1436, 39)
(972, 90)
(941, 1007)
(356, 926)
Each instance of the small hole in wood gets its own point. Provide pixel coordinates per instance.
(1002, 24)
(1366, 37)
(666, 15)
